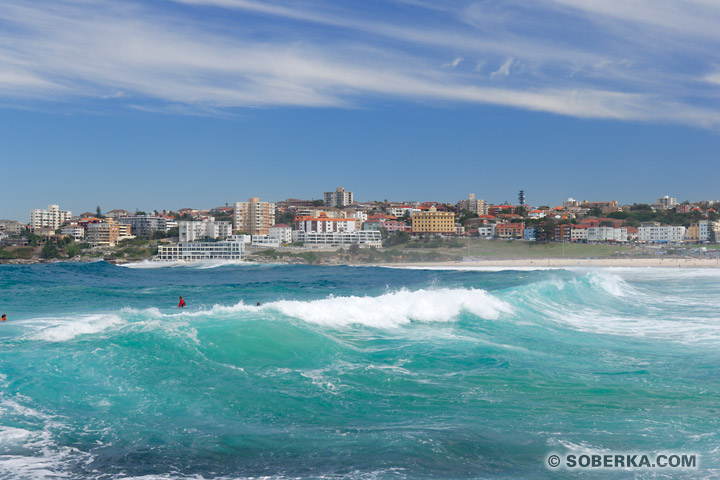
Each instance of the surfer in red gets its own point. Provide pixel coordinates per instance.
(182, 302)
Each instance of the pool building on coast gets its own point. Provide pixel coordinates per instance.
(231, 249)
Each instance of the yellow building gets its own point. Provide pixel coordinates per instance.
(107, 233)
(432, 221)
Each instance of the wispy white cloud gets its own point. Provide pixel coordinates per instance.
(688, 17)
(143, 58)
(456, 61)
(713, 78)
(504, 69)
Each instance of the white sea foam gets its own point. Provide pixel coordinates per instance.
(614, 306)
(395, 308)
(197, 264)
(34, 453)
(683, 330)
(610, 283)
(474, 268)
(62, 329)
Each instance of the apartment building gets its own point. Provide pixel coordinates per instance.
(74, 230)
(655, 233)
(107, 233)
(510, 230)
(282, 232)
(698, 232)
(364, 238)
(265, 241)
(254, 217)
(324, 224)
(145, 225)
(433, 221)
(665, 203)
(607, 234)
(208, 228)
(11, 227)
(339, 198)
(473, 204)
(52, 218)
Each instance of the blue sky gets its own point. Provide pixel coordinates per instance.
(169, 104)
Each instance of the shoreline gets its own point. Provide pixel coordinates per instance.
(567, 262)
(520, 263)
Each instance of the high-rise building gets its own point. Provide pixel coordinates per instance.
(51, 218)
(254, 217)
(473, 205)
(339, 198)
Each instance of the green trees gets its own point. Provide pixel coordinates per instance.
(73, 249)
(545, 231)
(396, 238)
(287, 217)
(49, 251)
(466, 215)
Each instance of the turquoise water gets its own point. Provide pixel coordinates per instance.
(349, 372)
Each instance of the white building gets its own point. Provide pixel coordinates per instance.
(51, 218)
(665, 203)
(339, 198)
(656, 233)
(579, 234)
(265, 241)
(486, 231)
(145, 225)
(571, 202)
(361, 216)
(367, 238)
(606, 234)
(536, 213)
(282, 232)
(402, 211)
(77, 232)
(323, 223)
(230, 249)
(703, 230)
(208, 228)
(11, 227)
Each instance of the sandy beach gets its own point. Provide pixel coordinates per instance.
(573, 262)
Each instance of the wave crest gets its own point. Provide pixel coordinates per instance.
(395, 308)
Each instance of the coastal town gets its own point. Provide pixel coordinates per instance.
(338, 223)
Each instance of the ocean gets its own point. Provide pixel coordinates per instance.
(354, 372)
